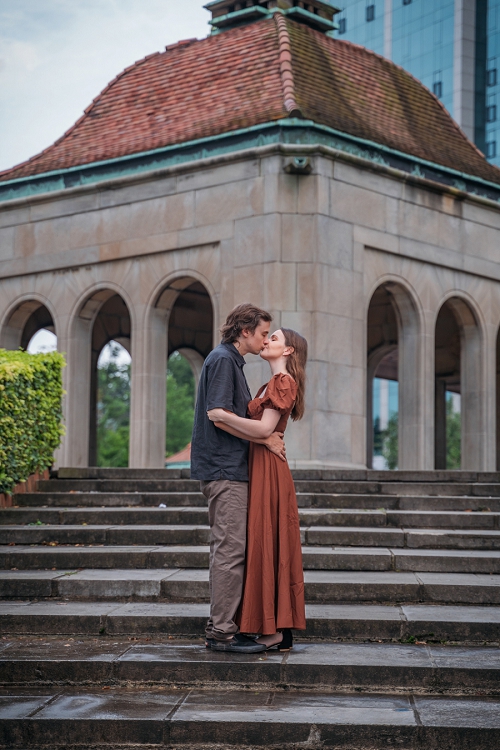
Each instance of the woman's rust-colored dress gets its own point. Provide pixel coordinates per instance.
(273, 593)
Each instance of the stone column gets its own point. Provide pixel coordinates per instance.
(411, 397)
(440, 424)
(472, 388)
(74, 450)
(490, 399)
(471, 402)
(428, 389)
(148, 391)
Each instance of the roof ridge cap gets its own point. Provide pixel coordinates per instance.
(286, 70)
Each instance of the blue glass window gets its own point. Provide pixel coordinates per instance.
(370, 12)
(437, 89)
(406, 2)
(491, 77)
(491, 113)
(342, 25)
(491, 149)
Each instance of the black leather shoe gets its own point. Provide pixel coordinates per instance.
(239, 644)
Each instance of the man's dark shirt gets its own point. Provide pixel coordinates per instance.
(215, 454)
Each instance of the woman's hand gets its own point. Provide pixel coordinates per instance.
(216, 415)
(276, 445)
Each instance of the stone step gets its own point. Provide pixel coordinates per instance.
(76, 499)
(197, 719)
(439, 475)
(108, 499)
(431, 489)
(335, 667)
(191, 585)
(119, 486)
(411, 538)
(196, 516)
(451, 503)
(346, 622)
(314, 558)
(399, 518)
(396, 502)
(187, 534)
(92, 534)
(399, 488)
(109, 472)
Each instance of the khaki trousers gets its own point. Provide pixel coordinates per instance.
(227, 515)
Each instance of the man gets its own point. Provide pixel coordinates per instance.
(220, 461)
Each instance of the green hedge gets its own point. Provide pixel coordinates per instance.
(30, 414)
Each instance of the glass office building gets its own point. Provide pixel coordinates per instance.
(452, 46)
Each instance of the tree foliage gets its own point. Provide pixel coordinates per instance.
(180, 403)
(389, 439)
(453, 437)
(113, 408)
(30, 414)
(390, 442)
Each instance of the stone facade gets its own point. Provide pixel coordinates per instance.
(163, 256)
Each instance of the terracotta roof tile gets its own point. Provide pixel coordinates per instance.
(256, 74)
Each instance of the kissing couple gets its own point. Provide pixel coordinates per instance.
(238, 454)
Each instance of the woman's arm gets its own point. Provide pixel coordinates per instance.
(249, 428)
(274, 443)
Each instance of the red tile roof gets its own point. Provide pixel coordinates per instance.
(255, 74)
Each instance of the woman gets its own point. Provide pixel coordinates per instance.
(273, 594)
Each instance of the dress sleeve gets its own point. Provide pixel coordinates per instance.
(280, 394)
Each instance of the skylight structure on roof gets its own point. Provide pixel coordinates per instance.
(226, 14)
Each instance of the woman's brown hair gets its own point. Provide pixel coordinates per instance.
(296, 367)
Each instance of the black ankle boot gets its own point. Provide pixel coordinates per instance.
(287, 641)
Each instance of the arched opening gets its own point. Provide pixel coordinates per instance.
(103, 318)
(43, 341)
(181, 391)
(186, 309)
(113, 405)
(457, 415)
(393, 380)
(31, 327)
(110, 323)
(383, 389)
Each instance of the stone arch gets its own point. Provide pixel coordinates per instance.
(459, 368)
(394, 350)
(101, 314)
(26, 317)
(195, 361)
(181, 316)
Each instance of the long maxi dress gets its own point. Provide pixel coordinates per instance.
(273, 592)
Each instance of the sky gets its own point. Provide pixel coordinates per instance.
(56, 56)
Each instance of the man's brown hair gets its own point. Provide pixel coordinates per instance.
(243, 317)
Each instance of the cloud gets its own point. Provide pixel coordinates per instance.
(19, 55)
(58, 55)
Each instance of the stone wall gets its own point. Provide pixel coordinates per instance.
(311, 248)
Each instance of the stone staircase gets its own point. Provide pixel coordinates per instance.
(104, 588)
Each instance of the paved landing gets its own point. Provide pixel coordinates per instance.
(61, 718)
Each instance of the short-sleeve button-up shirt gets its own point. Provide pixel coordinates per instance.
(215, 454)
